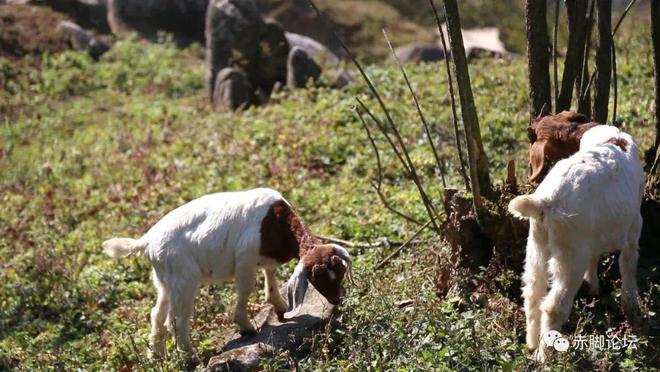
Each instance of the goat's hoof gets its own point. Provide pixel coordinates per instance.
(540, 355)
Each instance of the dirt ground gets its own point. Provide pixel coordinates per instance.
(30, 30)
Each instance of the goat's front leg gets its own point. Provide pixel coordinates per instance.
(245, 281)
(271, 287)
(567, 270)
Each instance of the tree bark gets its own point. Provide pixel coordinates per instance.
(538, 58)
(582, 83)
(476, 156)
(603, 61)
(655, 34)
(577, 12)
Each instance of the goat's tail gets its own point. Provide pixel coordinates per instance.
(123, 247)
(526, 206)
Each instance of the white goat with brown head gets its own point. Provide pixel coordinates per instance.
(587, 205)
(230, 235)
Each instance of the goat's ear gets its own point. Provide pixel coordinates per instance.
(296, 288)
(537, 162)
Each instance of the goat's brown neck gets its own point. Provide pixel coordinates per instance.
(283, 234)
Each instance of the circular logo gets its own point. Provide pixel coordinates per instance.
(550, 337)
(561, 344)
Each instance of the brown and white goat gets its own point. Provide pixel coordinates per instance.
(554, 137)
(230, 235)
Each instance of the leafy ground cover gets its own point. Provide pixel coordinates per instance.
(93, 150)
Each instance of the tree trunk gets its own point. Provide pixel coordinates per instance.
(476, 156)
(582, 83)
(538, 58)
(577, 12)
(603, 61)
(655, 33)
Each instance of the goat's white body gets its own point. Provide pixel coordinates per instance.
(214, 238)
(587, 205)
(213, 235)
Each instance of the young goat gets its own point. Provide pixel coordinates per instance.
(587, 205)
(554, 137)
(229, 235)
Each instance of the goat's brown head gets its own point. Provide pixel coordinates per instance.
(325, 267)
(554, 137)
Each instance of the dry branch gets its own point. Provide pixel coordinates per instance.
(378, 186)
(438, 162)
(577, 11)
(477, 158)
(430, 209)
(655, 35)
(404, 245)
(454, 116)
(603, 61)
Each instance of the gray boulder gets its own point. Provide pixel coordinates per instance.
(312, 47)
(232, 90)
(420, 53)
(238, 37)
(184, 19)
(300, 69)
(80, 39)
(244, 353)
(86, 13)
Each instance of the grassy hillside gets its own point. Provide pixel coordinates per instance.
(94, 150)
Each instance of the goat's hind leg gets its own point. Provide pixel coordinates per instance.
(535, 287)
(181, 309)
(591, 276)
(159, 313)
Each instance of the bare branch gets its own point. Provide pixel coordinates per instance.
(430, 209)
(378, 185)
(438, 162)
(404, 245)
(554, 52)
(583, 95)
(623, 15)
(603, 61)
(476, 155)
(454, 116)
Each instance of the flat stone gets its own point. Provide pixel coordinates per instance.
(274, 335)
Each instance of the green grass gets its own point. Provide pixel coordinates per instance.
(94, 150)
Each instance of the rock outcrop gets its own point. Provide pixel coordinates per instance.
(238, 37)
(301, 69)
(183, 18)
(232, 90)
(80, 39)
(244, 353)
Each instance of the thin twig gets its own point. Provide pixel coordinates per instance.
(380, 242)
(419, 111)
(378, 186)
(623, 15)
(404, 245)
(614, 78)
(615, 83)
(454, 116)
(554, 52)
(582, 92)
(430, 209)
(382, 129)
